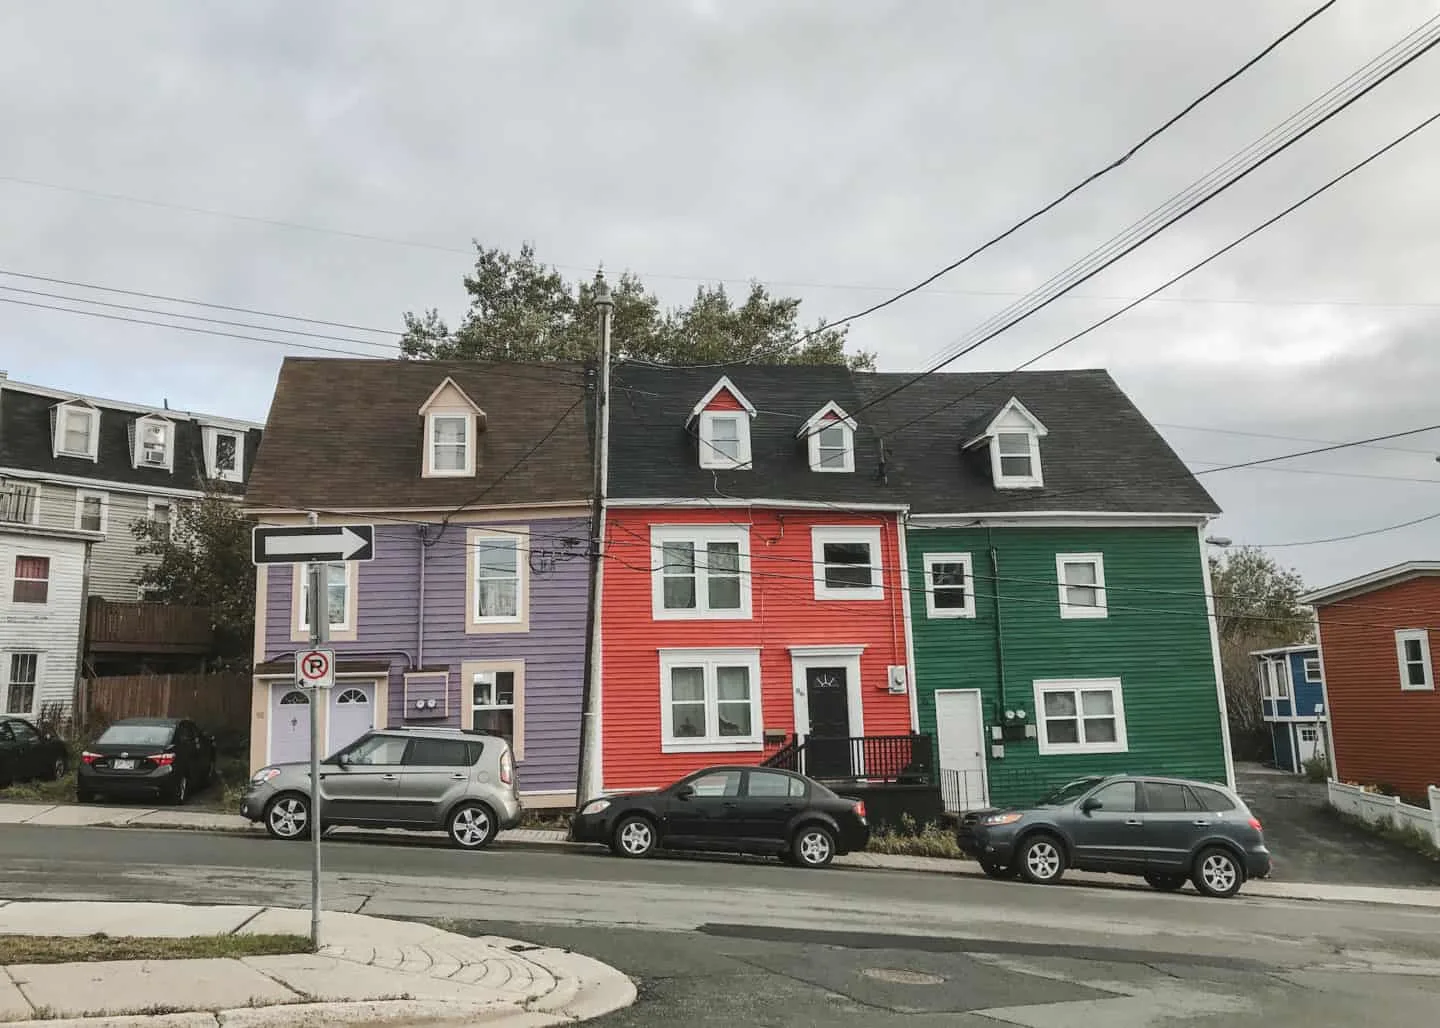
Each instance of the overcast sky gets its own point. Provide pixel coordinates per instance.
(830, 150)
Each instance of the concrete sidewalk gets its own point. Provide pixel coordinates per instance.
(369, 971)
(138, 817)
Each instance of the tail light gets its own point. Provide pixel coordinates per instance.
(89, 758)
(1255, 824)
(860, 808)
(163, 759)
(507, 768)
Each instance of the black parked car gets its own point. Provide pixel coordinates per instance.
(729, 809)
(26, 752)
(147, 756)
(1168, 830)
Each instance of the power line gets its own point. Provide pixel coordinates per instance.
(1169, 282)
(1323, 472)
(1352, 535)
(1164, 224)
(1283, 438)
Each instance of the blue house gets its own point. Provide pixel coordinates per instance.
(1293, 702)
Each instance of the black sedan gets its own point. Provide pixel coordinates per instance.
(28, 752)
(147, 756)
(1167, 830)
(729, 809)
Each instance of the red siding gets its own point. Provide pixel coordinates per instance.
(724, 400)
(1383, 734)
(785, 613)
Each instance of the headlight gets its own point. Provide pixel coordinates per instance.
(1003, 819)
(595, 807)
(264, 775)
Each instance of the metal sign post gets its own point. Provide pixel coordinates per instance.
(319, 634)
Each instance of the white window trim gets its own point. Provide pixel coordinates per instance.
(520, 621)
(1402, 636)
(710, 457)
(212, 436)
(932, 611)
(701, 536)
(35, 506)
(1078, 685)
(1069, 610)
(137, 451)
(802, 658)
(1316, 678)
(468, 471)
(468, 670)
(61, 412)
(6, 659)
(710, 660)
(822, 534)
(1034, 480)
(81, 495)
(830, 416)
(343, 632)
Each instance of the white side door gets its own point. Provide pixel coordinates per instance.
(289, 725)
(1307, 744)
(960, 731)
(351, 714)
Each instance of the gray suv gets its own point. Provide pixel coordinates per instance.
(461, 782)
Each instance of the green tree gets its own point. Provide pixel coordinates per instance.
(522, 310)
(202, 559)
(1257, 606)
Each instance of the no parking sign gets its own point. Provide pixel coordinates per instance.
(315, 668)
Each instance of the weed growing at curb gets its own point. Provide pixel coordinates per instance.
(1407, 836)
(53, 949)
(912, 840)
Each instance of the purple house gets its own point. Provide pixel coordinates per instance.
(472, 614)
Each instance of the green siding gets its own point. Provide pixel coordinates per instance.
(1156, 640)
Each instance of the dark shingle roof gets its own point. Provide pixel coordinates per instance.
(26, 443)
(1100, 454)
(348, 434)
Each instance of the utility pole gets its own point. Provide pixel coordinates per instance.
(585, 778)
(319, 612)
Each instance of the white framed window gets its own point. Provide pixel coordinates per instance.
(497, 582)
(77, 431)
(337, 597)
(1275, 678)
(32, 580)
(1083, 715)
(949, 585)
(19, 502)
(225, 454)
(847, 563)
(22, 684)
(1082, 585)
(710, 700)
(725, 439)
(1308, 734)
(450, 448)
(1312, 670)
(830, 436)
(493, 699)
(700, 571)
(161, 512)
(1412, 649)
(92, 511)
(1016, 459)
(154, 443)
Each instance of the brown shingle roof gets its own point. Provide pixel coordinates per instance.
(347, 434)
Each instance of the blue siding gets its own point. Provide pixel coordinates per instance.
(1308, 695)
(1284, 752)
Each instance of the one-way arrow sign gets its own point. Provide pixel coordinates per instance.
(313, 544)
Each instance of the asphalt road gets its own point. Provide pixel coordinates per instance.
(716, 942)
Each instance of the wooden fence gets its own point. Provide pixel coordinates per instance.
(218, 703)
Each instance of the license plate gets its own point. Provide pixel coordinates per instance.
(123, 765)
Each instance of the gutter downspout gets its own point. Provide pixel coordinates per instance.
(999, 621)
(423, 532)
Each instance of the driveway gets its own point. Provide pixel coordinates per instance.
(1310, 844)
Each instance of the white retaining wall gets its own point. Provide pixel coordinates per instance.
(1372, 806)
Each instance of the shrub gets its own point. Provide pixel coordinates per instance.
(1317, 768)
(912, 840)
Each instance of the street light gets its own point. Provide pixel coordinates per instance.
(1217, 540)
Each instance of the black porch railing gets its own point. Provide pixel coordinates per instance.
(895, 759)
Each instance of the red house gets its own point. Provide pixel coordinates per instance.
(1377, 636)
(752, 589)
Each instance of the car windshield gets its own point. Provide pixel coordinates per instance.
(136, 735)
(1069, 792)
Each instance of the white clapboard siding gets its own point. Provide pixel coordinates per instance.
(114, 564)
(51, 629)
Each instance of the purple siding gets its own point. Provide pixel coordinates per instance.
(553, 649)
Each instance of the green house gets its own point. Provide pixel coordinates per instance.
(1059, 611)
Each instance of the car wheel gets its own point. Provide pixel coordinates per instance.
(994, 870)
(179, 792)
(1217, 873)
(58, 767)
(1042, 860)
(813, 846)
(288, 817)
(472, 826)
(634, 837)
(1166, 883)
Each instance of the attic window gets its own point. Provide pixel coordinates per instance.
(830, 434)
(449, 444)
(1012, 435)
(77, 431)
(1018, 454)
(452, 423)
(724, 429)
(154, 443)
(225, 454)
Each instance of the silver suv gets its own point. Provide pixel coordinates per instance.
(461, 782)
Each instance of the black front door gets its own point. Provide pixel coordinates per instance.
(828, 746)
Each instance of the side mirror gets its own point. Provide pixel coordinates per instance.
(684, 792)
(1090, 805)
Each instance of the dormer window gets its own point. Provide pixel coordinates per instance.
(224, 454)
(1012, 435)
(154, 443)
(830, 435)
(452, 424)
(724, 427)
(77, 431)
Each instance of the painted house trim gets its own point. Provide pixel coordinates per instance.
(1056, 519)
(1381, 579)
(1217, 663)
(731, 504)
